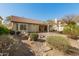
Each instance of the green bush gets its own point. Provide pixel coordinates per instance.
(66, 30)
(4, 30)
(34, 36)
(72, 31)
(58, 42)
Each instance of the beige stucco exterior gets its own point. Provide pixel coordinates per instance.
(26, 25)
(29, 27)
(33, 28)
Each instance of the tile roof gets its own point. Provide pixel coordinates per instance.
(26, 20)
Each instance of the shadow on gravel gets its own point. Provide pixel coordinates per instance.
(23, 49)
(40, 40)
(72, 51)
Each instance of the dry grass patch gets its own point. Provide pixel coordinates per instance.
(58, 42)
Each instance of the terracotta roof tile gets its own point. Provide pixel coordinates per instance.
(26, 20)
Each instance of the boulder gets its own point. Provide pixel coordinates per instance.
(45, 54)
(77, 40)
(29, 39)
(47, 48)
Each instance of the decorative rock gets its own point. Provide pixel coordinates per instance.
(47, 49)
(32, 42)
(77, 40)
(31, 50)
(45, 44)
(45, 54)
(29, 39)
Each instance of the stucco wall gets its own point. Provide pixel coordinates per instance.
(14, 26)
(30, 27)
(33, 28)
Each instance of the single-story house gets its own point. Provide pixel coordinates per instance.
(27, 25)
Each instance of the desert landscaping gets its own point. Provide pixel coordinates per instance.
(40, 47)
(60, 38)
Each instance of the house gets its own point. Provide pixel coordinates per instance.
(58, 25)
(26, 25)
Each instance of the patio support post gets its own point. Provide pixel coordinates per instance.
(18, 27)
(48, 28)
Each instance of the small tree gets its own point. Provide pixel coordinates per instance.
(4, 30)
(8, 45)
(72, 30)
(1, 20)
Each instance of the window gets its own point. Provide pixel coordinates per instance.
(23, 27)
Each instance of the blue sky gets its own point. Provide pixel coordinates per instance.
(39, 11)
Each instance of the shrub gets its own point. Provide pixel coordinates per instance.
(58, 42)
(72, 31)
(8, 45)
(12, 32)
(4, 30)
(18, 32)
(34, 36)
(24, 36)
(66, 30)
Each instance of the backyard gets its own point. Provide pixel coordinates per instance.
(52, 42)
(41, 49)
